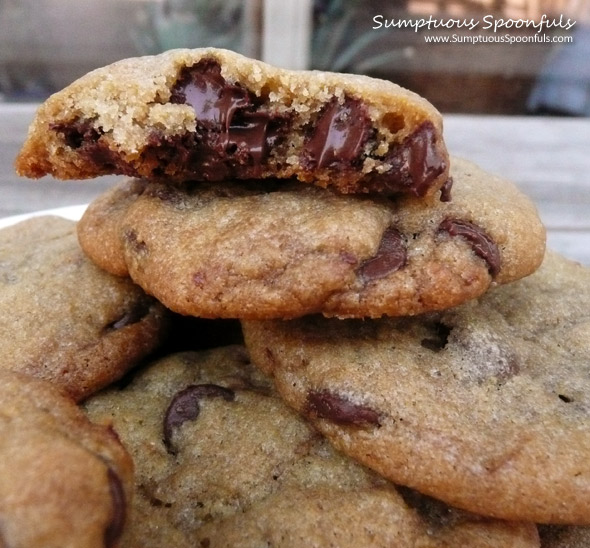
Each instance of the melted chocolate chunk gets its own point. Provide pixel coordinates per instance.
(234, 133)
(415, 164)
(391, 256)
(416, 161)
(483, 246)
(339, 135)
(115, 527)
(214, 100)
(339, 409)
(185, 406)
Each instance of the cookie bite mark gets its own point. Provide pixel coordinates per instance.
(116, 525)
(337, 138)
(391, 255)
(339, 409)
(481, 244)
(185, 406)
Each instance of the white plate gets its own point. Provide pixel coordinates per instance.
(70, 212)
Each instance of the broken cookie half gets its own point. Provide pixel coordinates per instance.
(210, 114)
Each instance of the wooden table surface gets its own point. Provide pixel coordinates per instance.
(548, 158)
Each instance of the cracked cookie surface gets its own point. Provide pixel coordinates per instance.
(221, 461)
(260, 252)
(211, 114)
(484, 405)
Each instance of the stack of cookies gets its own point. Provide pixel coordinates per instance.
(432, 356)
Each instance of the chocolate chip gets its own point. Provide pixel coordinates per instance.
(418, 159)
(131, 238)
(348, 258)
(483, 246)
(390, 257)
(498, 363)
(416, 162)
(250, 134)
(116, 524)
(445, 191)
(214, 100)
(235, 132)
(134, 315)
(165, 193)
(185, 406)
(339, 409)
(338, 136)
(8, 276)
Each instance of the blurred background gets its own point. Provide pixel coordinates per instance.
(45, 44)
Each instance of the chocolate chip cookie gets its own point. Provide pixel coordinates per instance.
(261, 252)
(221, 461)
(210, 114)
(485, 406)
(64, 482)
(62, 318)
